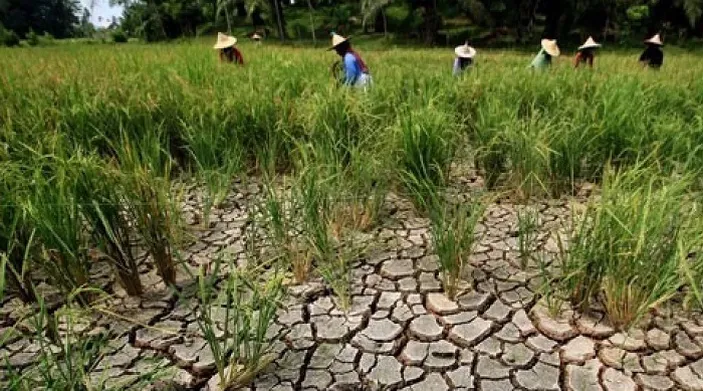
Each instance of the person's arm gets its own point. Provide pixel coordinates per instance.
(238, 57)
(577, 60)
(457, 67)
(351, 73)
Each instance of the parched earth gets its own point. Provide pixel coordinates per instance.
(400, 332)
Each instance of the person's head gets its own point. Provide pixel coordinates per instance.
(654, 42)
(589, 47)
(465, 54)
(225, 45)
(551, 49)
(343, 48)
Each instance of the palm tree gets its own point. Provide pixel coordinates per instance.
(270, 7)
(370, 10)
(312, 22)
(693, 10)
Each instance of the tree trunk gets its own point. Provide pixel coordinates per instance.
(385, 23)
(229, 24)
(312, 22)
(553, 13)
(378, 21)
(431, 21)
(277, 8)
(241, 9)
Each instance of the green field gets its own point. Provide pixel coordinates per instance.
(100, 146)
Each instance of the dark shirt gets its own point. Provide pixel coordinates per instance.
(653, 56)
(231, 54)
(584, 57)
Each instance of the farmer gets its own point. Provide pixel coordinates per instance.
(257, 38)
(228, 52)
(586, 53)
(543, 59)
(653, 55)
(356, 73)
(464, 58)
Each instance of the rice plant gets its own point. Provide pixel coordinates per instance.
(152, 201)
(453, 236)
(17, 243)
(427, 141)
(281, 212)
(627, 250)
(67, 358)
(239, 341)
(57, 217)
(527, 230)
(104, 208)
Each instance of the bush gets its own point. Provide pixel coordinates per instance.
(32, 38)
(9, 38)
(119, 37)
(46, 39)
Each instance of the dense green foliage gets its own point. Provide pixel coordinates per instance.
(427, 21)
(55, 17)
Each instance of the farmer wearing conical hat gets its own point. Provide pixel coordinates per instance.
(356, 73)
(228, 52)
(543, 59)
(586, 53)
(257, 38)
(653, 56)
(464, 58)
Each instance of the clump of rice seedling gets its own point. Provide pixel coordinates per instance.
(627, 250)
(528, 225)
(427, 141)
(316, 205)
(151, 201)
(281, 213)
(239, 342)
(67, 358)
(17, 244)
(156, 219)
(453, 237)
(104, 208)
(56, 215)
(360, 191)
(217, 156)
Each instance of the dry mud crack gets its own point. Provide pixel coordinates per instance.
(401, 333)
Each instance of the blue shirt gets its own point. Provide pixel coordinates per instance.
(352, 69)
(542, 60)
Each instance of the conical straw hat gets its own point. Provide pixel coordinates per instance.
(224, 41)
(655, 40)
(337, 40)
(256, 37)
(550, 46)
(465, 51)
(590, 44)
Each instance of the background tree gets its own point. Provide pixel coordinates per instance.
(56, 17)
